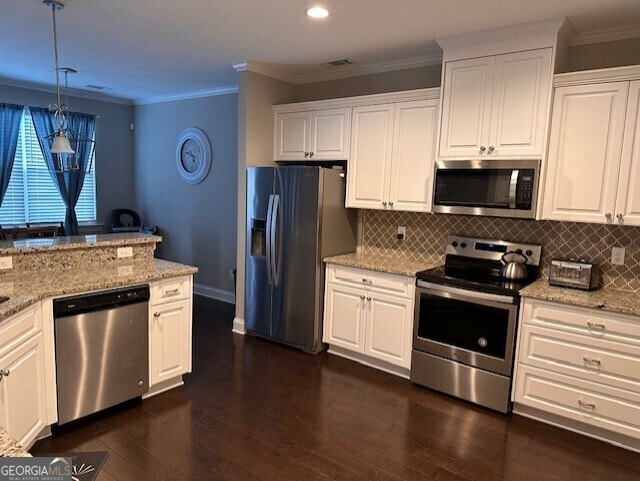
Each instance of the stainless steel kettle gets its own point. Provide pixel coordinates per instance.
(514, 270)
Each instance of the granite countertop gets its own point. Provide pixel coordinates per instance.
(10, 447)
(607, 298)
(21, 246)
(25, 288)
(391, 265)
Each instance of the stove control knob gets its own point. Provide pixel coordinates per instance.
(529, 252)
(463, 245)
(482, 342)
(454, 243)
(519, 251)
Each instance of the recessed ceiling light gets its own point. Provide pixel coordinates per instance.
(317, 12)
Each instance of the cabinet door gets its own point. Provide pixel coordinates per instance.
(292, 133)
(344, 317)
(413, 155)
(389, 327)
(466, 107)
(370, 158)
(330, 134)
(22, 392)
(628, 201)
(585, 149)
(520, 104)
(170, 341)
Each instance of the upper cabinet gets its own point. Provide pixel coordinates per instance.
(496, 90)
(594, 154)
(314, 135)
(496, 106)
(392, 156)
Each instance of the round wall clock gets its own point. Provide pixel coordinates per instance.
(193, 155)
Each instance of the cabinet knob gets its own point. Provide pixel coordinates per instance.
(608, 215)
(156, 314)
(369, 299)
(362, 297)
(482, 149)
(390, 204)
(384, 203)
(306, 154)
(620, 216)
(311, 154)
(4, 373)
(491, 149)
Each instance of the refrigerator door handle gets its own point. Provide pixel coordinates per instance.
(269, 252)
(275, 258)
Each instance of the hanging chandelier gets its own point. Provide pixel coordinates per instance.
(61, 143)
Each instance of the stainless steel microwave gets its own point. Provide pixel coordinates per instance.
(499, 188)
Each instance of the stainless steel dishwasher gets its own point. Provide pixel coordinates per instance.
(102, 350)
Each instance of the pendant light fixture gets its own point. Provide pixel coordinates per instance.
(60, 142)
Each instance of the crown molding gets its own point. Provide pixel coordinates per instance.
(229, 89)
(607, 35)
(83, 94)
(264, 69)
(614, 74)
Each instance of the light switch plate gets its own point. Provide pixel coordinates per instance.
(401, 234)
(125, 252)
(6, 262)
(617, 256)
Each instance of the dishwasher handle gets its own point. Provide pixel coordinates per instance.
(98, 301)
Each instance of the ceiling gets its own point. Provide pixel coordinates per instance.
(146, 49)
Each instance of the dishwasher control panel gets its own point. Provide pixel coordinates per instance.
(68, 306)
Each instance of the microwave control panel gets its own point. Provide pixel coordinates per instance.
(524, 193)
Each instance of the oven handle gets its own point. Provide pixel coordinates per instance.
(464, 294)
(513, 188)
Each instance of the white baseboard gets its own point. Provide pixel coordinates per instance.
(238, 326)
(213, 293)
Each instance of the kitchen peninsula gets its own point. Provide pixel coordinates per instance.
(36, 272)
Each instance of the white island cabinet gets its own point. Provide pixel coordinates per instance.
(579, 368)
(368, 317)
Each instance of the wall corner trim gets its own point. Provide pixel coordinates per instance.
(238, 326)
(213, 293)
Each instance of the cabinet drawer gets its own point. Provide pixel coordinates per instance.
(597, 360)
(370, 280)
(20, 326)
(589, 322)
(170, 290)
(605, 407)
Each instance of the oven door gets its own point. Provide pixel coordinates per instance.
(474, 328)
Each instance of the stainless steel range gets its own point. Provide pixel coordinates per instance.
(466, 316)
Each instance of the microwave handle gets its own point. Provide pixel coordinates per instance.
(513, 188)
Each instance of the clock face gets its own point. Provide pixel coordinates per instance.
(191, 155)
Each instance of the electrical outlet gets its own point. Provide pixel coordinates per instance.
(125, 252)
(401, 234)
(6, 262)
(617, 256)
(231, 274)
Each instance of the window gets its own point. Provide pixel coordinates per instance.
(32, 195)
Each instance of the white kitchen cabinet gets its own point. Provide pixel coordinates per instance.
(496, 106)
(368, 317)
(586, 154)
(628, 198)
(579, 368)
(314, 135)
(23, 390)
(392, 156)
(170, 332)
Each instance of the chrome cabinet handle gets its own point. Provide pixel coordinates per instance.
(588, 360)
(172, 291)
(596, 325)
(586, 405)
(491, 149)
(482, 149)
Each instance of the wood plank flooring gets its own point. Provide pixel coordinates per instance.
(254, 410)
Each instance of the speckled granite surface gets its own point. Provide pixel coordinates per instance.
(391, 265)
(10, 447)
(608, 298)
(25, 288)
(10, 247)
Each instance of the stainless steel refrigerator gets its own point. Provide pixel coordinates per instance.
(295, 218)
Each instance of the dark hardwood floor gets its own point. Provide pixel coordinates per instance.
(256, 410)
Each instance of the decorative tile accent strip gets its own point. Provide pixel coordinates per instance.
(427, 233)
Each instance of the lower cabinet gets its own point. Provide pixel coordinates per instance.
(22, 382)
(370, 315)
(170, 312)
(580, 368)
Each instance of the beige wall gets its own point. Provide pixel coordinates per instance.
(408, 79)
(603, 55)
(256, 94)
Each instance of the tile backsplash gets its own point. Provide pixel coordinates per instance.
(427, 233)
